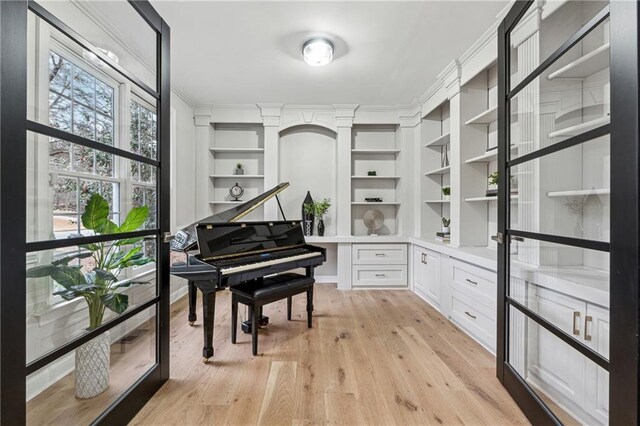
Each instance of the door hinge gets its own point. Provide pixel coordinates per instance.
(167, 237)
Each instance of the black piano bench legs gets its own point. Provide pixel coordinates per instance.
(209, 309)
(193, 298)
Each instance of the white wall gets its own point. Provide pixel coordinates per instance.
(184, 160)
(308, 162)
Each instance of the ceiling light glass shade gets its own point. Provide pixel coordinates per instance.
(317, 52)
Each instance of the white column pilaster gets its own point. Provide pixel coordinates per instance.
(271, 122)
(406, 168)
(344, 122)
(203, 187)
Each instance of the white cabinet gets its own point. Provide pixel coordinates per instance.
(379, 265)
(596, 333)
(426, 275)
(565, 375)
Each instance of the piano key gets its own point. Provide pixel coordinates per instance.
(268, 262)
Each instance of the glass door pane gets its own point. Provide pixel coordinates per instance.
(556, 265)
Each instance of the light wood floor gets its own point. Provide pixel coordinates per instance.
(373, 357)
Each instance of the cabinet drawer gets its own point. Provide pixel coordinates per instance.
(477, 320)
(379, 254)
(379, 276)
(477, 283)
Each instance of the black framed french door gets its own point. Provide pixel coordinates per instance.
(84, 141)
(567, 347)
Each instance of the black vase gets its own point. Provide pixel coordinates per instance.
(306, 216)
(321, 227)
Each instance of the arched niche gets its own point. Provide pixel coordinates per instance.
(307, 160)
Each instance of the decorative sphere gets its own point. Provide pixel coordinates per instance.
(373, 219)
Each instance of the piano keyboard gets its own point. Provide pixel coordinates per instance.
(267, 262)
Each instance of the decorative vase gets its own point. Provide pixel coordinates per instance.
(307, 216)
(308, 228)
(92, 366)
(239, 171)
(445, 229)
(445, 157)
(321, 227)
(445, 197)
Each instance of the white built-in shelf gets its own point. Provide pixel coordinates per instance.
(485, 117)
(597, 108)
(375, 177)
(586, 65)
(376, 151)
(236, 176)
(439, 141)
(579, 192)
(494, 198)
(440, 171)
(384, 203)
(237, 150)
(227, 202)
(437, 201)
(580, 128)
(488, 156)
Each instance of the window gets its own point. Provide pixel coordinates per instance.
(81, 104)
(144, 141)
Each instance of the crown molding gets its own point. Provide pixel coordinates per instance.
(271, 113)
(411, 120)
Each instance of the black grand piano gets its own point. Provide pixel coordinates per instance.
(223, 251)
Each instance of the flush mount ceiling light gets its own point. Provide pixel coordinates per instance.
(317, 52)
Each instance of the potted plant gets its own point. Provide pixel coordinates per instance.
(239, 169)
(99, 286)
(492, 184)
(320, 209)
(446, 192)
(445, 225)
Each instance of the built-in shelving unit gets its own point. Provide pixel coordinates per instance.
(486, 117)
(580, 128)
(579, 193)
(235, 144)
(439, 141)
(374, 148)
(435, 161)
(439, 172)
(583, 67)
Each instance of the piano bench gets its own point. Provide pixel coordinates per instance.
(271, 289)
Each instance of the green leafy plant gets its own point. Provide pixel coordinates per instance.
(320, 207)
(493, 178)
(446, 190)
(99, 287)
(309, 208)
(239, 165)
(446, 222)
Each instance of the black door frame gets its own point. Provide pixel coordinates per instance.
(624, 246)
(13, 245)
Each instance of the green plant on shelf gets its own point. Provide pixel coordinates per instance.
(446, 190)
(493, 178)
(99, 286)
(318, 208)
(446, 222)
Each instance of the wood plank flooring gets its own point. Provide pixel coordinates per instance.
(373, 357)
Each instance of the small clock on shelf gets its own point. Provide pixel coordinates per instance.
(236, 192)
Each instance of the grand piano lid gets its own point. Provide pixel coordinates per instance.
(187, 239)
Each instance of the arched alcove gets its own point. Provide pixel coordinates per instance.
(307, 160)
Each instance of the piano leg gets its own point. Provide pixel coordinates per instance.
(193, 298)
(209, 312)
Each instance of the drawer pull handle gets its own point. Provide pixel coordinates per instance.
(587, 320)
(380, 254)
(381, 275)
(468, 314)
(576, 326)
(472, 282)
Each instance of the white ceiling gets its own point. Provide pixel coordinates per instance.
(387, 52)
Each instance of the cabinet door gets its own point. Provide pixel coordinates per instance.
(553, 365)
(418, 262)
(431, 276)
(596, 334)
